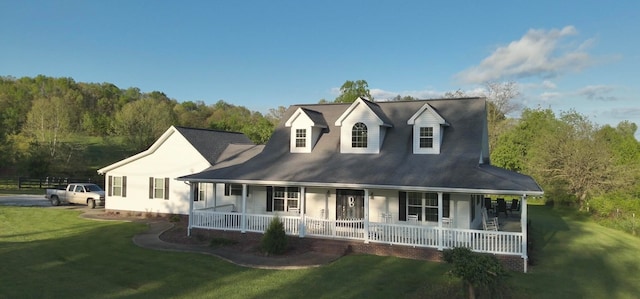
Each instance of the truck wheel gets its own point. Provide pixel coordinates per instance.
(55, 201)
(91, 203)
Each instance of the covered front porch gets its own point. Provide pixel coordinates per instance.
(373, 226)
(407, 234)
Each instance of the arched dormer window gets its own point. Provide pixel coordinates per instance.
(359, 135)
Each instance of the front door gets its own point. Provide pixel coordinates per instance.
(349, 204)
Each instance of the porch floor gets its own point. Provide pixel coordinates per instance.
(510, 223)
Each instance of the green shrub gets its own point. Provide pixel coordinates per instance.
(480, 272)
(616, 210)
(174, 218)
(274, 240)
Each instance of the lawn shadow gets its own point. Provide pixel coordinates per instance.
(576, 258)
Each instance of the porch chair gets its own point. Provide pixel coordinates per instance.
(502, 207)
(488, 205)
(412, 218)
(386, 217)
(515, 206)
(489, 223)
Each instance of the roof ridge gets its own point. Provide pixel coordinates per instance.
(209, 130)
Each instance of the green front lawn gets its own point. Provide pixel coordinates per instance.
(52, 253)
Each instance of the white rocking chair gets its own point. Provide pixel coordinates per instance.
(489, 223)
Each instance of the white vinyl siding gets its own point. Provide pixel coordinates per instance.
(427, 130)
(304, 132)
(361, 114)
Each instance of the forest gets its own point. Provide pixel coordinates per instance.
(59, 127)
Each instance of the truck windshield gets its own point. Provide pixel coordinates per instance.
(93, 188)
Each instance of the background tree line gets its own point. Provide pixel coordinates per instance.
(48, 124)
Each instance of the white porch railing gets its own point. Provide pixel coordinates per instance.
(498, 242)
(345, 229)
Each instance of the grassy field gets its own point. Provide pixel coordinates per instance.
(51, 253)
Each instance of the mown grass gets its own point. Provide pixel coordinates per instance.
(51, 253)
(576, 258)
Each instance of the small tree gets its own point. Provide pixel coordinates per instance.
(478, 271)
(274, 240)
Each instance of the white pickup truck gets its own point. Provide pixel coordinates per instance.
(81, 193)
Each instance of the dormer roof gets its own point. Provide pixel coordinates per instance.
(426, 108)
(314, 116)
(375, 108)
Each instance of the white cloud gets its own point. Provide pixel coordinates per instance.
(539, 53)
(548, 84)
(597, 92)
(629, 113)
(547, 96)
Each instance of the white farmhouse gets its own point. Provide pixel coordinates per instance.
(146, 182)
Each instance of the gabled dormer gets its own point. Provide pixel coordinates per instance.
(306, 127)
(362, 127)
(427, 130)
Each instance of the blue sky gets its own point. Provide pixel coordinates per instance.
(580, 55)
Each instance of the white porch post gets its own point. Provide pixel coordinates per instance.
(243, 225)
(191, 189)
(215, 194)
(366, 215)
(523, 224)
(440, 243)
(303, 203)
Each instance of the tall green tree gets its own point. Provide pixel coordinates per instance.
(49, 123)
(403, 98)
(142, 122)
(573, 159)
(351, 90)
(512, 150)
(230, 117)
(275, 115)
(501, 97)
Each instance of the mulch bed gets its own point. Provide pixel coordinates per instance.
(245, 243)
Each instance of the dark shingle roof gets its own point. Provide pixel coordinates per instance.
(456, 167)
(316, 117)
(211, 143)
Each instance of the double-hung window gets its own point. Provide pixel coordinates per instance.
(425, 205)
(199, 192)
(286, 198)
(426, 137)
(159, 188)
(301, 138)
(232, 189)
(117, 186)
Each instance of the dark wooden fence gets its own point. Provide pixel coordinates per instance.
(42, 183)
